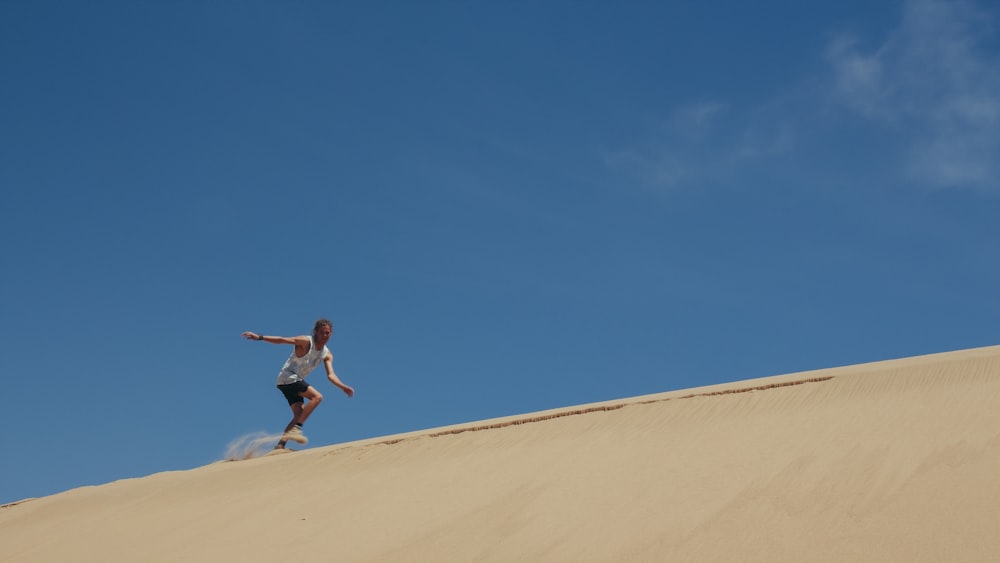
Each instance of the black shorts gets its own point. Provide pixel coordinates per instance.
(291, 391)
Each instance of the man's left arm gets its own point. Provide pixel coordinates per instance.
(328, 364)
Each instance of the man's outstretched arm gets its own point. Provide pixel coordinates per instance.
(294, 340)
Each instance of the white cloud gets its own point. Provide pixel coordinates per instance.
(696, 121)
(675, 156)
(930, 80)
(925, 97)
(656, 168)
(705, 143)
(858, 77)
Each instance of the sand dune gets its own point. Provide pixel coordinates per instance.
(891, 461)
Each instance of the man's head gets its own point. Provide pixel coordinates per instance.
(322, 331)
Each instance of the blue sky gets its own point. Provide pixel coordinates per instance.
(503, 207)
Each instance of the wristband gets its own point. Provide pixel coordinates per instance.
(260, 337)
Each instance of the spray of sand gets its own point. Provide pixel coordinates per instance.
(250, 446)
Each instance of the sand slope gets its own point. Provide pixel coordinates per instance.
(892, 461)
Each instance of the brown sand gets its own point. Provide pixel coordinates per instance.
(891, 461)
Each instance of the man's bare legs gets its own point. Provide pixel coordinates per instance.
(301, 412)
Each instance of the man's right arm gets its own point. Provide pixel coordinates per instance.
(295, 340)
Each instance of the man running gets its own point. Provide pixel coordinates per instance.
(309, 352)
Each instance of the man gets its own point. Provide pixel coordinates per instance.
(309, 352)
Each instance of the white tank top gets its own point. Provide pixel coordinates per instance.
(296, 368)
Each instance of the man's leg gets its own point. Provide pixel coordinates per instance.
(315, 398)
(296, 412)
(300, 414)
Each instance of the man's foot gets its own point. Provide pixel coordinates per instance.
(295, 435)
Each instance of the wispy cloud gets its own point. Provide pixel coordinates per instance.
(674, 156)
(697, 121)
(932, 81)
(705, 143)
(928, 87)
(658, 168)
